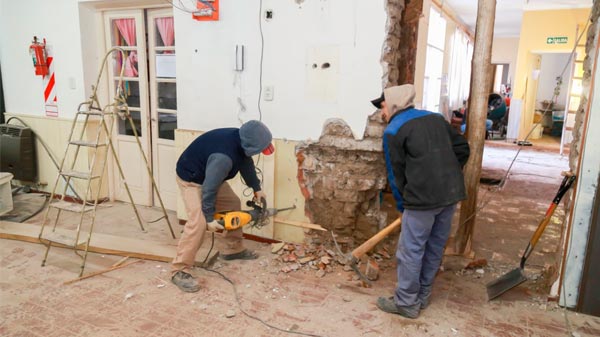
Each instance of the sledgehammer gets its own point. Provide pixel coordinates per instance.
(361, 250)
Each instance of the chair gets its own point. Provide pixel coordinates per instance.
(499, 127)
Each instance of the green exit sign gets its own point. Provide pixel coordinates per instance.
(557, 40)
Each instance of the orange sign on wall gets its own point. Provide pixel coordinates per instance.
(208, 10)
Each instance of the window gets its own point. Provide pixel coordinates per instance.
(459, 74)
(434, 60)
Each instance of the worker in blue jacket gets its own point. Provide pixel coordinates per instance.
(424, 157)
(202, 173)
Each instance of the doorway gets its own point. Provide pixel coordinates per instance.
(149, 84)
(551, 98)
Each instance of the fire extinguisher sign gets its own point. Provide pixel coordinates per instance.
(49, 87)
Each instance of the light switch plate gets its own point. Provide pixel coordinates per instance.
(268, 92)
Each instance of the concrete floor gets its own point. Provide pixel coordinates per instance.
(139, 300)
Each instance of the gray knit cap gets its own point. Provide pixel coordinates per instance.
(255, 137)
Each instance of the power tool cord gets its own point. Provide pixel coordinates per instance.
(239, 302)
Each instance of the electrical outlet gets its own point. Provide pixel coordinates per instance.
(268, 92)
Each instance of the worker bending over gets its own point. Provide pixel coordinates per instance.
(424, 157)
(202, 173)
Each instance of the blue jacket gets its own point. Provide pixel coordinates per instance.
(218, 155)
(424, 158)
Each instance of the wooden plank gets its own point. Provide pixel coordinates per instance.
(299, 224)
(106, 243)
(99, 272)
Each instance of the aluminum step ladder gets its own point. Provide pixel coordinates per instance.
(99, 146)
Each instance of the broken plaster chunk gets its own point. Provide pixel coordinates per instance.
(341, 260)
(305, 260)
(477, 264)
(480, 271)
(326, 259)
(372, 270)
(383, 252)
(291, 257)
(276, 247)
(230, 313)
(300, 252)
(321, 273)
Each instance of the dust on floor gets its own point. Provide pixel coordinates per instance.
(139, 300)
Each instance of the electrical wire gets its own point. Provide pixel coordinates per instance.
(262, 52)
(50, 154)
(239, 302)
(181, 7)
(483, 203)
(570, 244)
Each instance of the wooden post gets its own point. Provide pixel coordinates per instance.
(478, 97)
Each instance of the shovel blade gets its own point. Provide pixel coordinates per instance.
(506, 282)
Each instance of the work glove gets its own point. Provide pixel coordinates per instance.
(214, 226)
(258, 195)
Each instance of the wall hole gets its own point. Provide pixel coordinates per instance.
(325, 65)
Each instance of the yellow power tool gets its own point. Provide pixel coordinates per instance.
(258, 216)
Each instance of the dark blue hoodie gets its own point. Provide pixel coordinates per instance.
(218, 155)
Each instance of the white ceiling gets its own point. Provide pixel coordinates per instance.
(508, 12)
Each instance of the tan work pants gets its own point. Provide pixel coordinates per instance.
(193, 232)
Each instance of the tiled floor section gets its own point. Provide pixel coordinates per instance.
(138, 300)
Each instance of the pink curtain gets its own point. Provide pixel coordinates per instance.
(127, 29)
(166, 30)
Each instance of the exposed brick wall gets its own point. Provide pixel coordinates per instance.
(408, 45)
(341, 178)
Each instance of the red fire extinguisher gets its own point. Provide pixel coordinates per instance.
(37, 50)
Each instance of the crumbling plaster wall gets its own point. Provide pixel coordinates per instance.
(341, 178)
(584, 152)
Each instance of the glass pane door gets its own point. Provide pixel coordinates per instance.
(128, 75)
(163, 102)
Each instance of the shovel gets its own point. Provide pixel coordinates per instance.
(517, 276)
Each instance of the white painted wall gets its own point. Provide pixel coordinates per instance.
(551, 67)
(208, 88)
(58, 22)
(504, 50)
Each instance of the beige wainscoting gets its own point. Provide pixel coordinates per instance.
(55, 133)
(279, 183)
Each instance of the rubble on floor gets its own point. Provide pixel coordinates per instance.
(321, 257)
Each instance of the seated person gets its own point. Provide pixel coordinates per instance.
(463, 127)
(496, 107)
(496, 111)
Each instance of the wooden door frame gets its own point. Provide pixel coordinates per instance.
(156, 141)
(139, 16)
